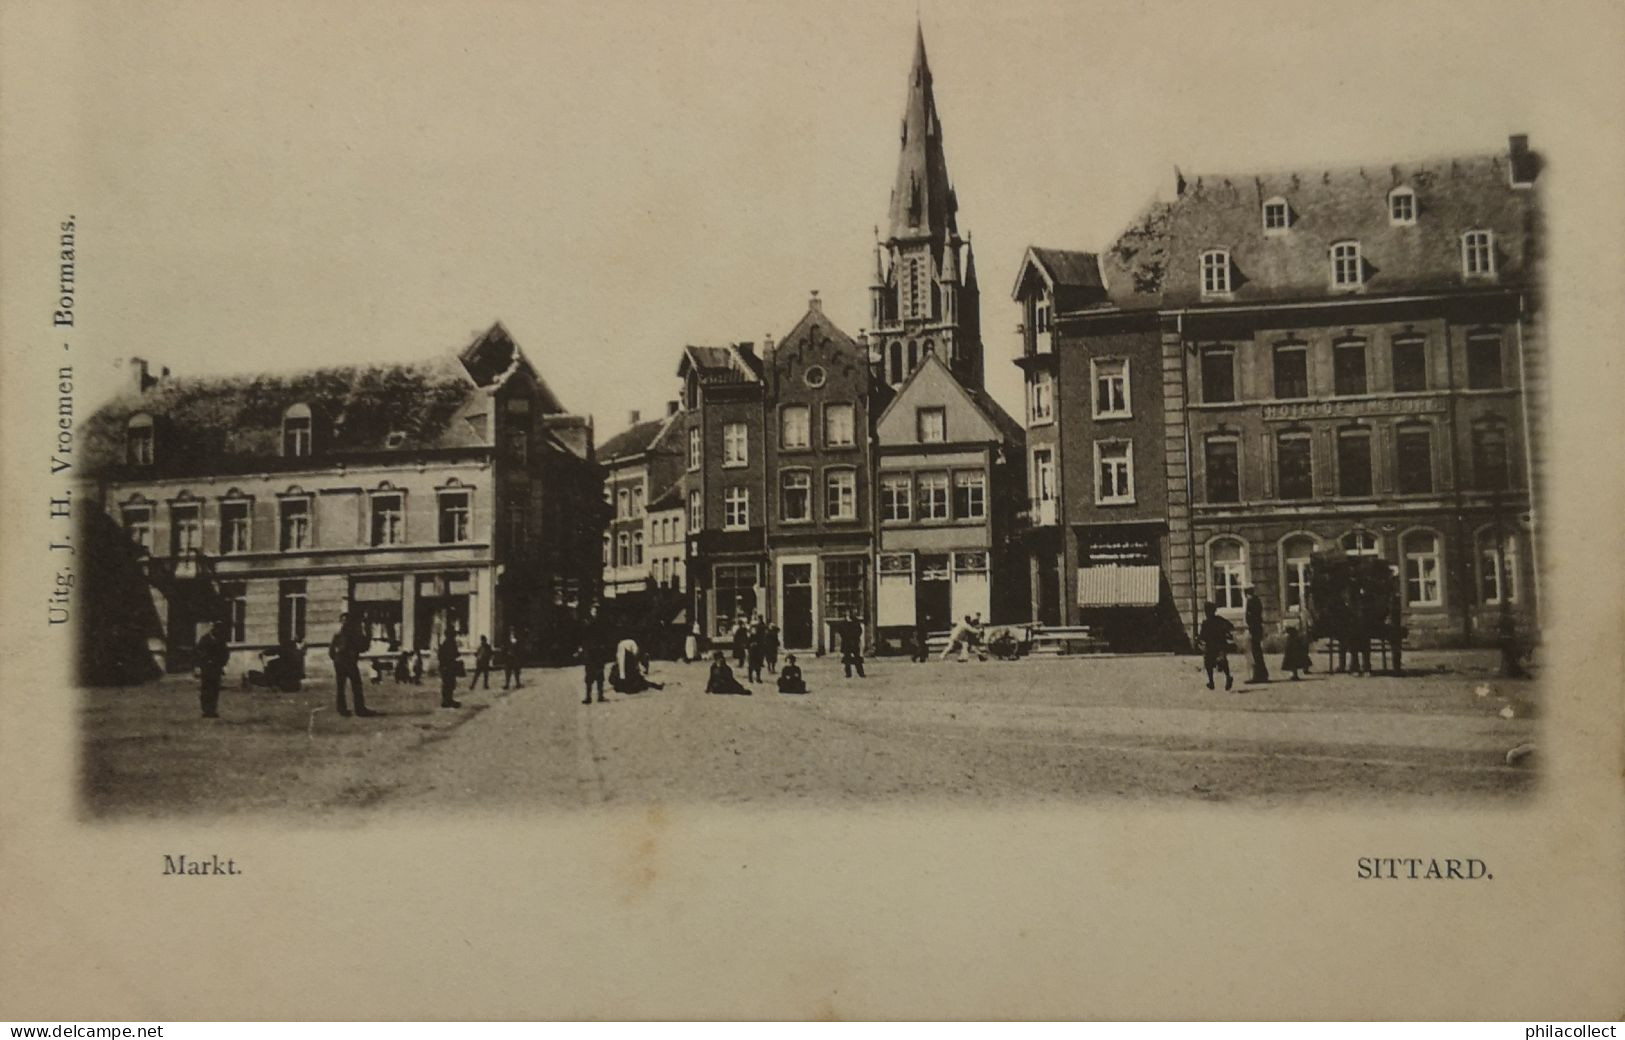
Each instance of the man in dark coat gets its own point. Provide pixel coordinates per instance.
(772, 648)
(741, 644)
(1214, 639)
(850, 632)
(348, 644)
(510, 660)
(1255, 635)
(451, 661)
(790, 680)
(921, 637)
(595, 652)
(756, 652)
(482, 663)
(212, 654)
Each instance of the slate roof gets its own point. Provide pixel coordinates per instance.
(631, 441)
(234, 423)
(670, 498)
(1155, 262)
(733, 362)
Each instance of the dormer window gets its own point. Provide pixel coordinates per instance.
(1478, 254)
(138, 441)
(1401, 207)
(1041, 315)
(296, 432)
(1215, 272)
(1277, 216)
(1347, 269)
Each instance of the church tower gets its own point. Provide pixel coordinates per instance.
(923, 297)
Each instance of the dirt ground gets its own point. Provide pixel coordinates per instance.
(1057, 730)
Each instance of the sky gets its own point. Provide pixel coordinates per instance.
(299, 184)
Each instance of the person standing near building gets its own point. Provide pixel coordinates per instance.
(772, 649)
(348, 644)
(1214, 640)
(756, 652)
(212, 655)
(1255, 635)
(510, 660)
(691, 645)
(921, 638)
(482, 664)
(741, 643)
(1295, 658)
(451, 663)
(851, 634)
(594, 652)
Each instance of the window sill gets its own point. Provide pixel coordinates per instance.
(1048, 420)
(736, 465)
(1111, 416)
(1114, 501)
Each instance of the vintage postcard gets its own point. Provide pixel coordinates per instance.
(562, 510)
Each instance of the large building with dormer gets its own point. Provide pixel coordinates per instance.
(1275, 365)
(455, 493)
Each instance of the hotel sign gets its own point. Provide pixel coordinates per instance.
(1354, 409)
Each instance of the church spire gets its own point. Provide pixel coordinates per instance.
(922, 202)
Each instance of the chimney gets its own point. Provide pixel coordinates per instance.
(815, 304)
(671, 409)
(1524, 163)
(138, 378)
(635, 417)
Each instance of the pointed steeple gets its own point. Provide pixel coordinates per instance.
(922, 201)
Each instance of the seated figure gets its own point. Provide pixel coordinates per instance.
(721, 679)
(790, 680)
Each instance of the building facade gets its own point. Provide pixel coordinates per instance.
(455, 494)
(639, 463)
(820, 530)
(1269, 367)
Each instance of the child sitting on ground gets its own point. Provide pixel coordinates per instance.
(790, 680)
(722, 678)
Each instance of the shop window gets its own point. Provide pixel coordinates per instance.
(844, 580)
(734, 587)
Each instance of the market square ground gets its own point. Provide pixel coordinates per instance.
(1058, 730)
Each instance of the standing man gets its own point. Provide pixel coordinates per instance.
(510, 660)
(851, 633)
(1255, 635)
(482, 664)
(212, 655)
(594, 651)
(348, 644)
(451, 660)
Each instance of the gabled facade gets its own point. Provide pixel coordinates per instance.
(639, 463)
(724, 487)
(1275, 365)
(948, 487)
(924, 297)
(454, 493)
(820, 519)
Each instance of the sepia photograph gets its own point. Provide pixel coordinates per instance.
(890, 448)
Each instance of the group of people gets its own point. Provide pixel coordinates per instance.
(626, 661)
(722, 679)
(756, 646)
(1216, 638)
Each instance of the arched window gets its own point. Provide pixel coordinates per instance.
(894, 366)
(296, 430)
(913, 355)
(1360, 543)
(1296, 553)
(138, 440)
(1497, 566)
(1424, 586)
(1227, 573)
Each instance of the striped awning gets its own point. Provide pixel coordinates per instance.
(1118, 585)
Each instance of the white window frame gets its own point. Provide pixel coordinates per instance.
(805, 475)
(1295, 571)
(836, 408)
(1372, 549)
(1041, 398)
(735, 445)
(804, 428)
(140, 440)
(1097, 378)
(1215, 264)
(397, 536)
(623, 549)
(303, 434)
(736, 508)
(889, 501)
(1407, 196)
(696, 511)
(974, 481)
(1428, 569)
(1234, 579)
(1502, 556)
(1124, 476)
(840, 501)
(696, 439)
(1285, 212)
(443, 509)
(309, 527)
(1348, 265)
(1478, 253)
(931, 481)
(186, 515)
(919, 424)
(228, 545)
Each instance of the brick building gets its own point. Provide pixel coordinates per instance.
(452, 493)
(1274, 365)
(639, 463)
